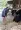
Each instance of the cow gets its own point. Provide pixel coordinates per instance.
(18, 16)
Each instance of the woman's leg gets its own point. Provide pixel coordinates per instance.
(4, 20)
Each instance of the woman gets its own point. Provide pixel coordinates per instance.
(4, 14)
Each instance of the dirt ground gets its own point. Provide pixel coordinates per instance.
(11, 26)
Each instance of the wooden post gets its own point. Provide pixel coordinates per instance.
(14, 3)
(19, 3)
